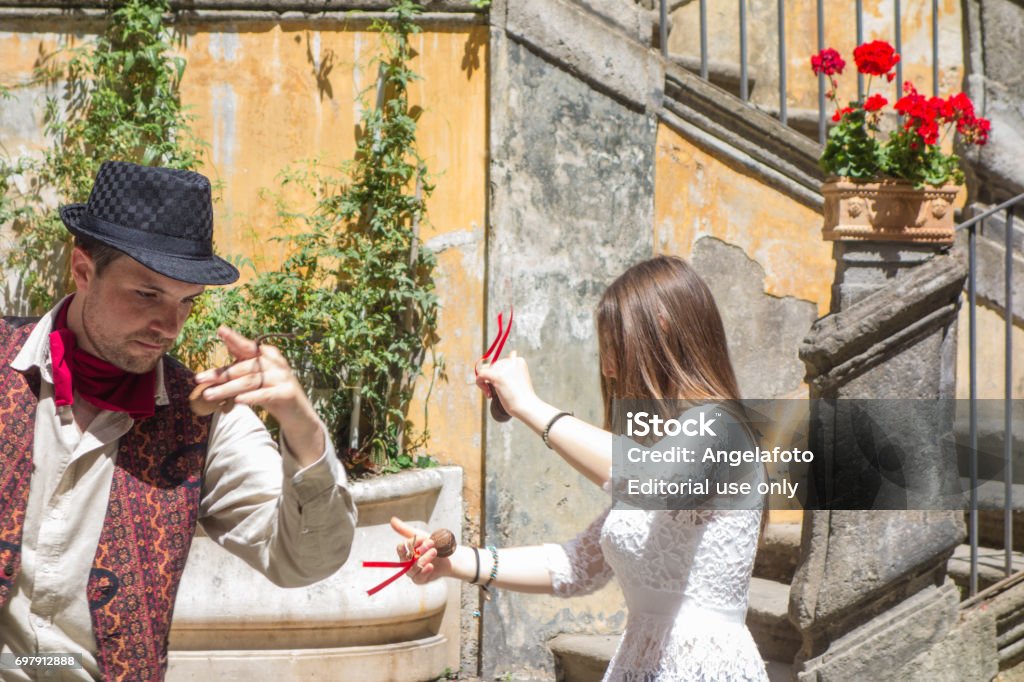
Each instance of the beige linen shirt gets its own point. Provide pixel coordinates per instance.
(296, 529)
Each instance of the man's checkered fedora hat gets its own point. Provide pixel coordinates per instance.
(161, 217)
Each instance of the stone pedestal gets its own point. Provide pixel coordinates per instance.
(871, 592)
(864, 267)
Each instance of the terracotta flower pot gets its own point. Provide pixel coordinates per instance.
(888, 211)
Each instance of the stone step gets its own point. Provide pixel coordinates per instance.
(991, 496)
(584, 658)
(778, 552)
(768, 619)
(580, 657)
(991, 563)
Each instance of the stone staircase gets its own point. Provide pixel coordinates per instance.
(583, 658)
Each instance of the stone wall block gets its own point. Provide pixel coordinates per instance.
(838, 582)
(591, 49)
(995, 33)
(572, 203)
(766, 366)
(967, 653)
(634, 20)
(887, 642)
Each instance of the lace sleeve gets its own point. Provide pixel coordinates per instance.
(578, 566)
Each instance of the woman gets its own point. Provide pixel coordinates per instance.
(685, 574)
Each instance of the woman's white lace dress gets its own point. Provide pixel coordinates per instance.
(686, 579)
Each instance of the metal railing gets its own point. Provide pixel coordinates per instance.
(744, 85)
(972, 227)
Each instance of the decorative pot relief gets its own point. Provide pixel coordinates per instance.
(891, 210)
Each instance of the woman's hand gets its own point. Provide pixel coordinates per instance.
(418, 545)
(511, 379)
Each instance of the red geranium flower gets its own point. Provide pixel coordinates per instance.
(841, 112)
(974, 130)
(858, 147)
(876, 58)
(962, 105)
(827, 62)
(875, 102)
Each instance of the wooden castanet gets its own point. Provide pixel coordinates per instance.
(203, 407)
(444, 542)
(498, 412)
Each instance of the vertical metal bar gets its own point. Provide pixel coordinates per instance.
(899, 46)
(663, 29)
(1008, 398)
(703, 39)
(782, 61)
(821, 76)
(935, 47)
(972, 354)
(744, 86)
(860, 41)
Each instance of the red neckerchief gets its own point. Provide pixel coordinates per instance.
(99, 382)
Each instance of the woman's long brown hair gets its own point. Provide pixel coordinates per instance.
(660, 337)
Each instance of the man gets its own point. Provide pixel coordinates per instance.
(105, 470)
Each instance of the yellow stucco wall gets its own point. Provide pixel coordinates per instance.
(697, 195)
(267, 95)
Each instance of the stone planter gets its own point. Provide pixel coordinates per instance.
(231, 623)
(888, 211)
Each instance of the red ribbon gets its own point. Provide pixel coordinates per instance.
(404, 565)
(492, 355)
(498, 344)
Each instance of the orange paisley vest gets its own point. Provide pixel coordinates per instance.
(150, 520)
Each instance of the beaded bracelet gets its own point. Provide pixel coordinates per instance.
(494, 572)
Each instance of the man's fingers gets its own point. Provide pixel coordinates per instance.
(224, 374)
(239, 346)
(244, 389)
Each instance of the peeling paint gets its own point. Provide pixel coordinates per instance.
(224, 47)
(722, 202)
(224, 110)
(315, 50)
(454, 240)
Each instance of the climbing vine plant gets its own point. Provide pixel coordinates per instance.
(356, 287)
(115, 98)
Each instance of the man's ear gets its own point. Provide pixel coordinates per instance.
(83, 270)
